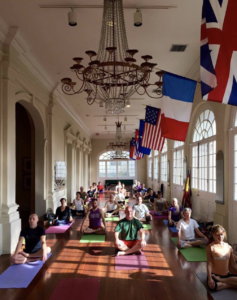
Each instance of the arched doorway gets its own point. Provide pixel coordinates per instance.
(30, 163)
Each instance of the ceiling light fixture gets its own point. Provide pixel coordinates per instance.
(72, 18)
(137, 18)
(125, 119)
(104, 119)
(128, 103)
(114, 75)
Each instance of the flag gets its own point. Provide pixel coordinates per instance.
(133, 149)
(177, 102)
(151, 137)
(218, 51)
(139, 154)
(141, 149)
(186, 202)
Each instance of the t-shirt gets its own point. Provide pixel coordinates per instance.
(175, 216)
(128, 229)
(187, 230)
(100, 187)
(151, 197)
(140, 211)
(32, 238)
(90, 193)
(143, 191)
(63, 215)
(83, 195)
(119, 197)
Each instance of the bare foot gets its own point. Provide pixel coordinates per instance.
(187, 245)
(139, 252)
(216, 277)
(24, 254)
(120, 253)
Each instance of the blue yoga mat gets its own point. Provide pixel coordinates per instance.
(173, 229)
(20, 276)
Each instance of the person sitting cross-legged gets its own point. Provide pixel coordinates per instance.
(175, 213)
(78, 206)
(221, 264)
(143, 191)
(63, 214)
(111, 207)
(100, 188)
(187, 228)
(83, 194)
(90, 192)
(150, 195)
(95, 214)
(35, 243)
(129, 228)
(161, 206)
(120, 197)
(141, 212)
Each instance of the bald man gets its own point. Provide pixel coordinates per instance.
(129, 228)
(35, 243)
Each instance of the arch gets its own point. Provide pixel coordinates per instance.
(205, 126)
(178, 144)
(106, 155)
(40, 132)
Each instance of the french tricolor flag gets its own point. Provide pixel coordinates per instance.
(177, 101)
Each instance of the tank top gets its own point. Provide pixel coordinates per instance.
(160, 204)
(111, 206)
(78, 204)
(95, 218)
(220, 258)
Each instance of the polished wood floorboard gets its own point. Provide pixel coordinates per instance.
(170, 276)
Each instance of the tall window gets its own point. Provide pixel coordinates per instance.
(178, 156)
(164, 162)
(112, 168)
(150, 165)
(204, 153)
(156, 161)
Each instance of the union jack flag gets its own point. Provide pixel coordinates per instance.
(219, 51)
(152, 138)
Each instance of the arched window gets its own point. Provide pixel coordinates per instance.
(156, 164)
(204, 153)
(112, 166)
(178, 156)
(164, 162)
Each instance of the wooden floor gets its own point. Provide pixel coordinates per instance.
(170, 276)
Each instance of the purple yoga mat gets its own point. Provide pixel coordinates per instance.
(58, 229)
(131, 262)
(158, 217)
(76, 288)
(20, 276)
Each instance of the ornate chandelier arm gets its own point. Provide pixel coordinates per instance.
(156, 93)
(141, 94)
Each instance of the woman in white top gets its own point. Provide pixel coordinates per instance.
(187, 228)
(111, 207)
(78, 205)
(141, 212)
(118, 186)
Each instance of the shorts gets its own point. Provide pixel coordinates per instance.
(95, 227)
(192, 240)
(130, 244)
(225, 276)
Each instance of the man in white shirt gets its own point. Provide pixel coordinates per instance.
(141, 212)
(187, 228)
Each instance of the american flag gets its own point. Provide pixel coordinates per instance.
(218, 51)
(152, 138)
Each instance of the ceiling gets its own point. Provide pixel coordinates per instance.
(54, 43)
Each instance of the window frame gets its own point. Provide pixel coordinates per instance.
(175, 150)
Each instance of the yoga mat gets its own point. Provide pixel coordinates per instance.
(158, 217)
(58, 229)
(112, 219)
(173, 229)
(76, 288)
(228, 294)
(194, 253)
(146, 226)
(131, 262)
(92, 238)
(20, 276)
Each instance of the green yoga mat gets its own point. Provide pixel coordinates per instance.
(146, 226)
(92, 238)
(126, 200)
(194, 253)
(112, 219)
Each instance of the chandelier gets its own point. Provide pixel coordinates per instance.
(118, 146)
(113, 76)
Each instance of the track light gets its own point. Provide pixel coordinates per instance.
(128, 103)
(72, 18)
(125, 119)
(138, 18)
(104, 119)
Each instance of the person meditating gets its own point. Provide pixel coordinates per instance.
(129, 228)
(94, 187)
(141, 212)
(120, 197)
(63, 214)
(118, 186)
(100, 187)
(187, 228)
(175, 213)
(35, 243)
(161, 206)
(221, 265)
(83, 194)
(111, 207)
(91, 192)
(78, 205)
(151, 197)
(95, 215)
(143, 191)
